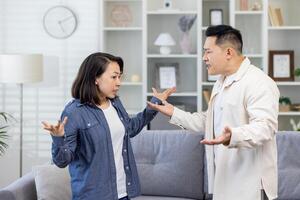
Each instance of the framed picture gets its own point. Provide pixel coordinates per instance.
(121, 15)
(281, 65)
(215, 17)
(166, 75)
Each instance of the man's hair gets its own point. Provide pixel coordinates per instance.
(226, 34)
(84, 87)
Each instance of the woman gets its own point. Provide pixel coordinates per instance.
(93, 138)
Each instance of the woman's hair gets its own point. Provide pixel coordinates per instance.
(226, 34)
(84, 87)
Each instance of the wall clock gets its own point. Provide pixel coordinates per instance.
(60, 22)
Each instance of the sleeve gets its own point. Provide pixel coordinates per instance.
(262, 109)
(137, 123)
(192, 121)
(63, 148)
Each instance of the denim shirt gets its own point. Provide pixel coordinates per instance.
(87, 148)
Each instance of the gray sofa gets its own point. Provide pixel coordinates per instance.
(171, 166)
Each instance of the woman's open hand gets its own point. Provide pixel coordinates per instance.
(165, 94)
(55, 130)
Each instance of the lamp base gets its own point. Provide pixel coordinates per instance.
(165, 50)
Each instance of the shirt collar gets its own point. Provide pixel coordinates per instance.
(79, 104)
(235, 76)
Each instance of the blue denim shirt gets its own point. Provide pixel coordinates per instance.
(87, 148)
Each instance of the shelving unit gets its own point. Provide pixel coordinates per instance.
(118, 37)
(135, 43)
(286, 37)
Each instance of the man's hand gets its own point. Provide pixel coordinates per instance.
(222, 139)
(166, 108)
(55, 130)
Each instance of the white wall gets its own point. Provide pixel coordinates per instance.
(21, 31)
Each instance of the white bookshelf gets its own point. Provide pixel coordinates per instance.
(151, 18)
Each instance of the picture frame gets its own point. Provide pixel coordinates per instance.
(281, 65)
(215, 17)
(121, 15)
(167, 75)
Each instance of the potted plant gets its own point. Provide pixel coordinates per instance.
(297, 74)
(284, 104)
(3, 131)
(296, 126)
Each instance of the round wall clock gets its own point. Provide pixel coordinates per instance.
(60, 22)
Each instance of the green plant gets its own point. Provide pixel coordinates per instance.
(297, 72)
(285, 100)
(3, 131)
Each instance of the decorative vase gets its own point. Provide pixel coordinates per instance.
(185, 43)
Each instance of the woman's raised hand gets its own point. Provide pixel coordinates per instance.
(165, 94)
(166, 108)
(56, 130)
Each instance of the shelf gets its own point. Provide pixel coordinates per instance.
(291, 83)
(172, 56)
(132, 112)
(248, 12)
(123, 0)
(183, 94)
(208, 83)
(218, 1)
(284, 28)
(295, 113)
(254, 55)
(288, 83)
(131, 84)
(171, 12)
(122, 29)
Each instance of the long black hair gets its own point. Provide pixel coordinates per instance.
(84, 87)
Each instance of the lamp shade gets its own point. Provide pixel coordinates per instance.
(20, 68)
(164, 39)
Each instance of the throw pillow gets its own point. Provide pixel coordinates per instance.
(52, 183)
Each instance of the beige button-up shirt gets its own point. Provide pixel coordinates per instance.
(249, 163)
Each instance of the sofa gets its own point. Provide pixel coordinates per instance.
(171, 166)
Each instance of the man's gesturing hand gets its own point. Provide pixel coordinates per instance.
(222, 139)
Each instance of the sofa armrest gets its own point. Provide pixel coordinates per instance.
(21, 189)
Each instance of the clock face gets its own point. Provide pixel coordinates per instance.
(60, 22)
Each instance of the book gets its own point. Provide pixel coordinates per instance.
(270, 14)
(279, 16)
(243, 4)
(206, 95)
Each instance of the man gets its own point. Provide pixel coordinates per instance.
(240, 122)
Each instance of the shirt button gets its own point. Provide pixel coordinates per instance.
(121, 118)
(125, 150)
(65, 149)
(127, 168)
(128, 183)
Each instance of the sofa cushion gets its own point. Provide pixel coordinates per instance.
(159, 198)
(52, 183)
(21, 189)
(170, 163)
(288, 165)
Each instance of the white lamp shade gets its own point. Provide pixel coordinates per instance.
(164, 39)
(19, 68)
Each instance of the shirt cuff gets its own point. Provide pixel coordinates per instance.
(175, 118)
(58, 141)
(235, 138)
(155, 101)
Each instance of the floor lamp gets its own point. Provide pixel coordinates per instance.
(20, 69)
